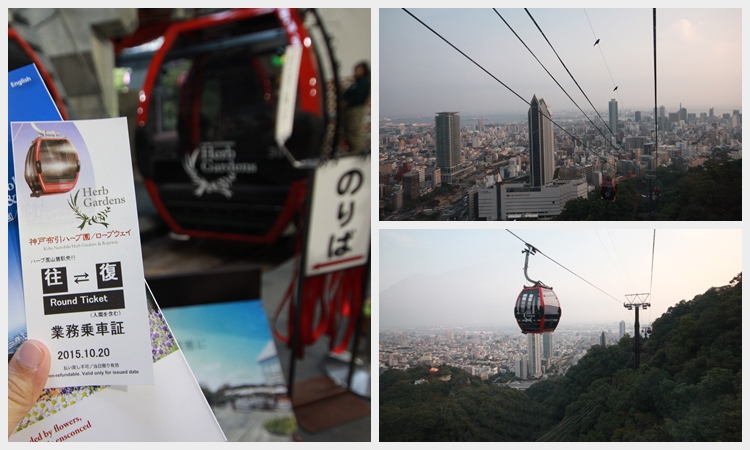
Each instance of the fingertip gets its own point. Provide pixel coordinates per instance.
(31, 354)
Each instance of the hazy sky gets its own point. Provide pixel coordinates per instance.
(699, 56)
(472, 277)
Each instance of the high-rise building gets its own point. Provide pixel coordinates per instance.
(448, 143)
(613, 116)
(541, 144)
(663, 111)
(548, 345)
(535, 355)
(410, 182)
(480, 124)
(622, 328)
(683, 113)
(603, 340)
(637, 116)
(710, 112)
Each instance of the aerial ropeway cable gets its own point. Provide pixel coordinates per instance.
(553, 79)
(499, 81)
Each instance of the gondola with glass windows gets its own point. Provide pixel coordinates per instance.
(608, 189)
(52, 164)
(205, 140)
(537, 308)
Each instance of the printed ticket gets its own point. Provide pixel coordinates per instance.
(80, 250)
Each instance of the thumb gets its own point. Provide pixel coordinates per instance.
(27, 374)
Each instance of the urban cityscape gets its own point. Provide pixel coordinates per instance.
(456, 163)
(500, 173)
(487, 354)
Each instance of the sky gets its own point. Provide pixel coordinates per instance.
(699, 57)
(472, 277)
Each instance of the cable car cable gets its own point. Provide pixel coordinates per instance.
(619, 258)
(605, 60)
(606, 251)
(498, 80)
(553, 78)
(566, 69)
(656, 118)
(556, 434)
(542, 253)
(651, 284)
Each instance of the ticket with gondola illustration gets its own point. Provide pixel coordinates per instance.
(80, 251)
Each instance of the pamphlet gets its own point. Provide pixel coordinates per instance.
(28, 99)
(173, 409)
(80, 251)
(230, 348)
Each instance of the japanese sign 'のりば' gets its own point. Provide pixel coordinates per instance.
(339, 235)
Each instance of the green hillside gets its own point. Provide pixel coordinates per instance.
(688, 388)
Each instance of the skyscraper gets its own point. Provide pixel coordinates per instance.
(547, 345)
(541, 144)
(448, 143)
(603, 339)
(535, 355)
(637, 116)
(622, 328)
(613, 116)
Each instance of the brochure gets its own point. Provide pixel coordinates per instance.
(230, 348)
(173, 409)
(80, 252)
(28, 99)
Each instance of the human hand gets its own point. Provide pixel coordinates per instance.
(28, 371)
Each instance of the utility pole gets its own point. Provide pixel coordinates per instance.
(637, 301)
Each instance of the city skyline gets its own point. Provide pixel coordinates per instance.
(472, 277)
(698, 52)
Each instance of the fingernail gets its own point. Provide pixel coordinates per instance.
(30, 355)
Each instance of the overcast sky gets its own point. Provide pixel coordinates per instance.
(698, 50)
(472, 277)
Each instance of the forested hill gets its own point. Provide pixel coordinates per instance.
(712, 191)
(687, 388)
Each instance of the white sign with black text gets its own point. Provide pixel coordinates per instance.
(339, 232)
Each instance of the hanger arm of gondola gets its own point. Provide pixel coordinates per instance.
(530, 249)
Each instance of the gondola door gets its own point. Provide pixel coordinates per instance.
(205, 136)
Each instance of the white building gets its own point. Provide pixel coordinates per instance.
(534, 343)
(487, 204)
(519, 201)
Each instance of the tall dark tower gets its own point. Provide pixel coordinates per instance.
(613, 117)
(541, 144)
(448, 143)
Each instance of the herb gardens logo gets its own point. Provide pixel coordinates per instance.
(216, 158)
(90, 200)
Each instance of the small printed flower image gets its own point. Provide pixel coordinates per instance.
(55, 400)
(163, 342)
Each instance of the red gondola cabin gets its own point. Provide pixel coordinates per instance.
(608, 189)
(537, 310)
(52, 166)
